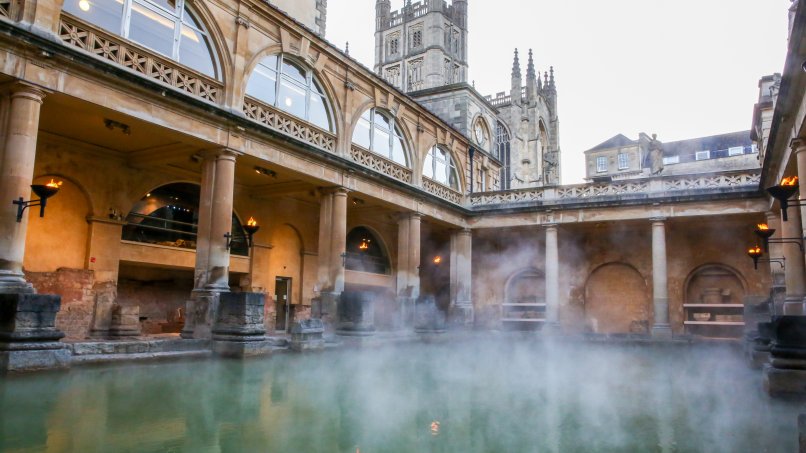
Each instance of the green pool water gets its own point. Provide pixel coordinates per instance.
(487, 395)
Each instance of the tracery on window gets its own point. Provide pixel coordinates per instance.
(287, 85)
(168, 27)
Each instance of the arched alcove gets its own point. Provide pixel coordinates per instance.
(366, 253)
(524, 305)
(714, 302)
(58, 240)
(617, 300)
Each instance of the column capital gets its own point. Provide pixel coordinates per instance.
(798, 145)
(22, 89)
(220, 154)
(658, 220)
(551, 226)
(409, 216)
(337, 190)
(463, 232)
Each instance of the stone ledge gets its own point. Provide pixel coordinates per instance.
(98, 359)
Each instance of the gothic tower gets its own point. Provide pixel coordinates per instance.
(423, 45)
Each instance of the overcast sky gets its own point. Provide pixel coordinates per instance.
(678, 68)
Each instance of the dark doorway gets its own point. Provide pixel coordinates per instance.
(282, 294)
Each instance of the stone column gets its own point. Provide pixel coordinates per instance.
(408, 265)
(794, 273)
(660, 281)
(461, 278)
(332, 244)
(212, 256)
(776, 270)
(338, 239)
(552, 277)
(16, 175)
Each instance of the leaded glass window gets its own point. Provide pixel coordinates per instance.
(380, 133)
(168, 27)
(283, 83)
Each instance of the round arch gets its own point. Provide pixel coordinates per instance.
(366, 251)
(333, 105)
(707, 277)
(536, 290)
(486, 139)
(400, 125)
(168, 215)
(616, 300)
(460, 182)
(76, 183)
(217, 37)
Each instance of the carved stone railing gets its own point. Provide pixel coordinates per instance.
(705, 184)
(5, 8)
(288, 125)
(380, 164)
(444, 192)
(117, 50)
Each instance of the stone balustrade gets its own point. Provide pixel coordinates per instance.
(441, 191)
(380, 164)
(289, 125)
(77, 33)
(705, 184)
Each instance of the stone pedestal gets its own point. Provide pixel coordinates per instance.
(239, 330)
(29, 339)
(307, 335)
(428, 318)
(125, 321)
(356, 314)
(785, 374)
(758, 345)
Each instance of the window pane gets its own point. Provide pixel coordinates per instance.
(382, 121)
(381, 143)
(292, 98)
(152, 29)
(294, 72)
(398, 153)
(170, 5)
(428, 168)
(106, 14)
(318, 112)
(190, 20)
(362, 131)
(263, 84)
(195, 51)
(441, 171)
(315, 88)
(452, 179)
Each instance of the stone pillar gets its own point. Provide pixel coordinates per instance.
(461, 278)
(552, 277)
(104, 261)
(776, 270)
(332, 244)
(408, 265)
(16, 175)
(660, 281)
(794, 273)
(212, 255)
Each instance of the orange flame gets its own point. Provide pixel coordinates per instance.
(755, 251)
(251, 222)
(54, 184)
(364, 245)
(791, 181)
(434, 428)
(437, 259)
(763, 227)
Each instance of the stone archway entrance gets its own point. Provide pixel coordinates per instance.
(617, 301)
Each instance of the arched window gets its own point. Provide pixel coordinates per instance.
(285, 84)
(169, 216)
(439, 167)
(365, 253)
(378, 132)
(481, 133)
(503, 153)
(165, 26)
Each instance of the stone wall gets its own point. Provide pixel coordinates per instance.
(76, 287)
(158, 293)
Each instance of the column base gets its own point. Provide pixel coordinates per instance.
(356, 314)
(662, 331)
(784, 383)
(406, 312)
(461, 316)
(793, 306)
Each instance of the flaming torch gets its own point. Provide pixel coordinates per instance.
(755, 253)
(783, 192)
(364, 246)
(251, 228)
(764, 232)
(43, 191)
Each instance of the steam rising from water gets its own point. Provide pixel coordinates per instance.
(501, 394)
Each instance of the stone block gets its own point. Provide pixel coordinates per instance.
(784, 383)
(242, 349)
(239, 330)
(356, 313)
(34, 360)
(125, 321)
(428, 318)
(29, 318)
(307, 335)
(785, 374)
